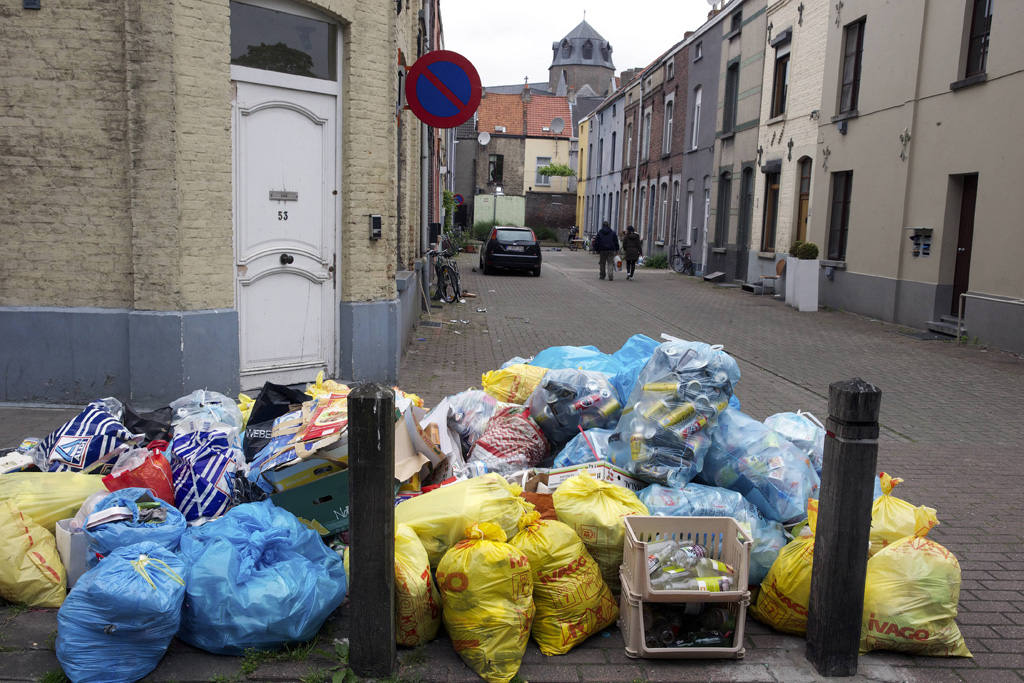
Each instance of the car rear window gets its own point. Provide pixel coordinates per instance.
(509, 235)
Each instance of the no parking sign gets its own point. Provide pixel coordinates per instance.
(443, 89)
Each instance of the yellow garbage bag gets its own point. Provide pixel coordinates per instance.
(594, 509)
(245, 403)
(513, 384)
(48, 497)
(441, 516)
(573, 602)
(911, 594)
(891, 518)
(322, 386)
(30, 568)
(417, 604)
(786, 589)
(487, 591)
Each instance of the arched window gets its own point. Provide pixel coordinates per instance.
(666, 135)
(566, 49)
(663, 218)
(588, 50)
(675, 211)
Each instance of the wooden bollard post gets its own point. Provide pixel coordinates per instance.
(836, 606)
(371, 456)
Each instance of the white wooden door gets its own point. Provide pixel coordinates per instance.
(285, 237)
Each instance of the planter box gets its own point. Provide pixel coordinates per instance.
(804, 274)
(791, 267)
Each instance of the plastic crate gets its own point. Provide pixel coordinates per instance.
(722, 537)
(631, 623)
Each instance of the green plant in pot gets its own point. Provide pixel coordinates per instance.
(807, 251)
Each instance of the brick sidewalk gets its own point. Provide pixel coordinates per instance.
(948, 429)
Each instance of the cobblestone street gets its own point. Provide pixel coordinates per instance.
(948, 428)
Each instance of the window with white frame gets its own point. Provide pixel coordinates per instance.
(543, 180)
(629, 143)
(666, 138)
(600, 156)
(674, 225)
(645, 142)
(689, 216)
(663, 218)
(695, 138)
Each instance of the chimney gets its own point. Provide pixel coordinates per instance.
(687, 35)
(526, 90)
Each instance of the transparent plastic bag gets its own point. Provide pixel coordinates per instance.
(567, 400)
(768, 470)
(208, 406)
(804, 431)
(662, 435)
(589, 446)
(470, 412)
(511, 442)
(697, 500)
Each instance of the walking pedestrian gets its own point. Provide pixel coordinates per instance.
(633, 248)
(606, 244)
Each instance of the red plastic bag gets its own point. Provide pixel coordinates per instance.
(144, 469)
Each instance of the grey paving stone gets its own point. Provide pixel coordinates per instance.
(31, 630)
(27, 665)
(541, 673)
(612, 673)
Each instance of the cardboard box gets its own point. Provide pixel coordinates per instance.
(73, 549)
(603, 471)
(319, 496)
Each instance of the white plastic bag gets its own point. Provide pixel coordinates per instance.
(618, 262)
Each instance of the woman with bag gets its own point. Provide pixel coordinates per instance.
(633, 248)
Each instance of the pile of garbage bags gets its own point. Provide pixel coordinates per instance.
(509, 498)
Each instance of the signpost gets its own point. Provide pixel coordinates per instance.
(459, 200)
(443, 89)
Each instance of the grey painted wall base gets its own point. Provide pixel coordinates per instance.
(76, 355)
(995, 323)
(371, 348)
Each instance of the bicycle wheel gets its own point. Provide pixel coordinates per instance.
(677, 263)
(689, 269)
(448, 285)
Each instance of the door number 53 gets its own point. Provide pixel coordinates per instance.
(282, 215)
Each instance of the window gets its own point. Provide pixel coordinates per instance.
(732, 91)
(590, 156)
(735, 22)
(588, 50)
(977, 47)
(566, 50)
(645, 144)
(746, 207)
(613, 109)
(698, 51)
(496, 169)
(600, 118)
(666, 138)
(722, 210)
(275, 41)
(663, 218)
(781, 86)
(696, 117)
(689, 217)
(839, 221)
(629, 144)
(640, 209)
(804, 205)
(612, 166)
(543, 180)
(771, 211)
(852, 52)
(600, 156)
(653, 208)
(671, 71)
(675, 210)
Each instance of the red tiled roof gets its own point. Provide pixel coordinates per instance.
(541, 111)
(500, 110)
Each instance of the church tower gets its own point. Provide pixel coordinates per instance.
(581, 64)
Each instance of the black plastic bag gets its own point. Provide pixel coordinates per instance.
(156, 425)
(273, 401)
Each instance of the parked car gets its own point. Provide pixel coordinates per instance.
(510, 247)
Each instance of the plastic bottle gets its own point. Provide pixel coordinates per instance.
(475, 468)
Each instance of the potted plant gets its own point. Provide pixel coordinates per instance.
(802, 276)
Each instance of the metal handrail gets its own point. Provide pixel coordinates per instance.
(965, 295)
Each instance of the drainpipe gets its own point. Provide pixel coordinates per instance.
(425, 148)
(636, 167)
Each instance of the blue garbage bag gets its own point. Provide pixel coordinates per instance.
(696, 500)
(584, 448)
(108, 537)
(804, 431)
(121, 616)
(257, 578)
(568, 400)
(769, 471)
(623, 366)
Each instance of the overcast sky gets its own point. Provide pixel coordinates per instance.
(507, 41)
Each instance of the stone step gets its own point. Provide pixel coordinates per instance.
(943, 327)
(951, 319)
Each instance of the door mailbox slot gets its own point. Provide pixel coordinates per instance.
(375, 227)
(283, 196)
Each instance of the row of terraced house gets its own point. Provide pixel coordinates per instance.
(882, 132)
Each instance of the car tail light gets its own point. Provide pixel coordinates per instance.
(533, 236)
(494, 234)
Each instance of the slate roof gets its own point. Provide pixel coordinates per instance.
(577, 38)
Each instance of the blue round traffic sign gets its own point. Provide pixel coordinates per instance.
(443, 89)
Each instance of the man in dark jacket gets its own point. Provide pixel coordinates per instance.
(606, 244)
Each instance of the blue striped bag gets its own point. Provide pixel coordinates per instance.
(203, 467)
(92, 434)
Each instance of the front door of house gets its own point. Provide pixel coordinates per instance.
(285, 168)
(965, 239)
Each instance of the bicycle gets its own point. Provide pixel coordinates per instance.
(446, 271)
(681, 261)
